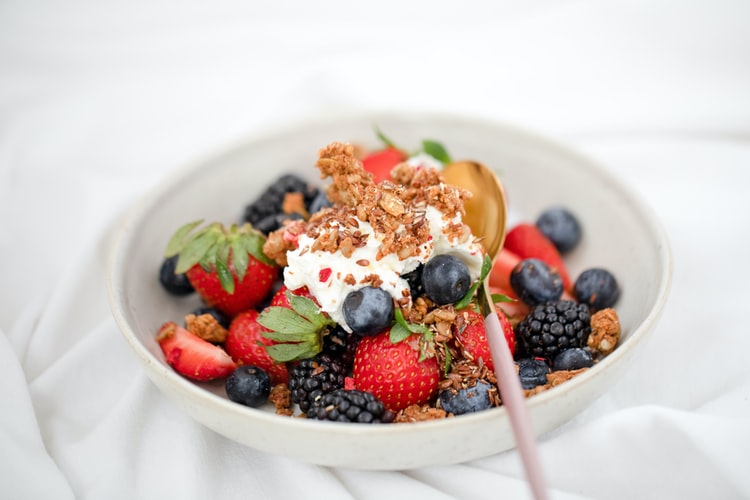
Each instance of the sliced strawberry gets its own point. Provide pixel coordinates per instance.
(470, 333)
(245, 343)
(527, 241)
(393, 371)
(503, 264)
(192, 356)
(380, 163)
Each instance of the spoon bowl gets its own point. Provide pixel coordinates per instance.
(487, 209)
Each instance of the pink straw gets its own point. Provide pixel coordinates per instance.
(514, 401)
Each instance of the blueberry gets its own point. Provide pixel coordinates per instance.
(561, 227)
(535, 282)
(222, 318)
(467, 399)
(445, 279)
(368, 311)
(532, 372)
(318, 203)
(248, 385)
(597, 287)
(572, 359)
(176, 284)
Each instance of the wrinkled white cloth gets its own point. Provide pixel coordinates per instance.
(99, 100)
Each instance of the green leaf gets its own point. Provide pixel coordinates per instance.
(195, 251)
(293, 338)
(180, 238)
(253, 243)
(411, 327)
(466, 299)
(225, 276)
(399, 333)
(499, 297)
(385, 140)
(308, 309)
(239, 258)
(448, 360)
(436, 150)
(290, 352)
(284, 320)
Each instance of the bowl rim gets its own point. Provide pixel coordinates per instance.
(122, 238)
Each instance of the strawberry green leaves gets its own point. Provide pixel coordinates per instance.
(217, 247)
(297, 332)
(430, 147)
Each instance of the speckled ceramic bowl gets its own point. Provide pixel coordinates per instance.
(536, 173)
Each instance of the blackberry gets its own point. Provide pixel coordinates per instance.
(350, 406)
(312, 378)
(553, 327)
(414, 279)
(270, 202)
(342, 345)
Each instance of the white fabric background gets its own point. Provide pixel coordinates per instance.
(100, 99)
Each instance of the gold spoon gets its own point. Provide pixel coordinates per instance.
(486, 213)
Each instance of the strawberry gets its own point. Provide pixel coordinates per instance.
(527, 241)
(471, 335)
(395, 372)
(192, 356)
(380, 163)
(226, 266)
(280, 298)
(503, 264)
(515, 311)
(246, 344)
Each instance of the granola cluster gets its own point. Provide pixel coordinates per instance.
(395, 210)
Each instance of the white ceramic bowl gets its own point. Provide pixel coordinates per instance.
(621, 234)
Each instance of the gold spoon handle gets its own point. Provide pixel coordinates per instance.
(512, 394)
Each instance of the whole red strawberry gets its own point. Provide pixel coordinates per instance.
(394, 372)
(470, 333)
(527, 241)
(380, 163)
(245, 343)
(226, 266)
(192, 356)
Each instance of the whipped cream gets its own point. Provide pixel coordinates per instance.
(330, 277)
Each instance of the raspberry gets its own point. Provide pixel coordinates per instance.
(553, 327)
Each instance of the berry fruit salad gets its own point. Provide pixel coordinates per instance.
(354, 299)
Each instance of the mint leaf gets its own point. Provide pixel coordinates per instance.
(436, 150)
(466, 300)
(385, 140)
(410, 327)
(448, 360)
(499, 297)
